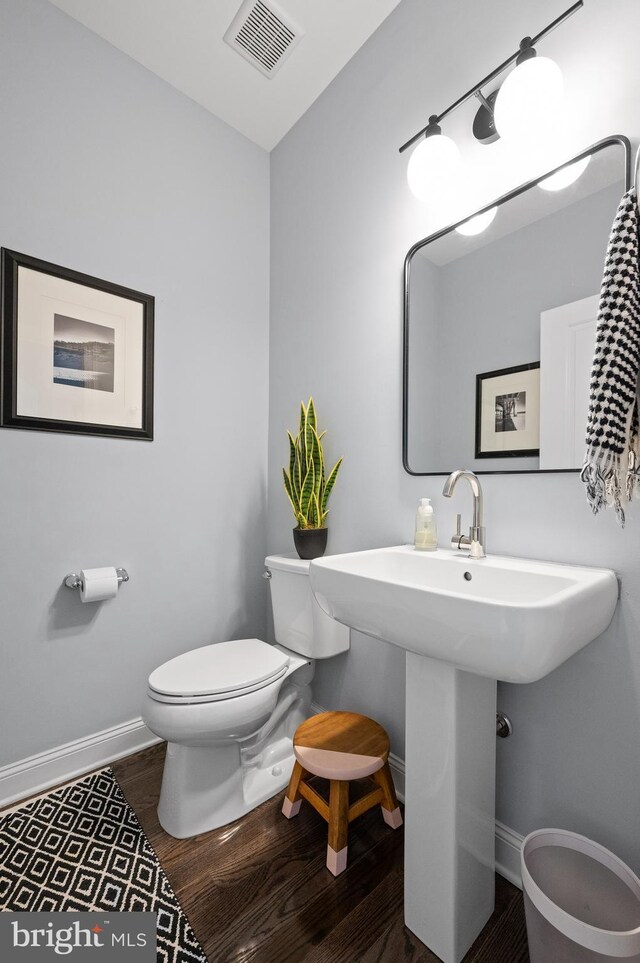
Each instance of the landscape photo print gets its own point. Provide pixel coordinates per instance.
(83, 353)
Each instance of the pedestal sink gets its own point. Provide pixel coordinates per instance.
(464, 624)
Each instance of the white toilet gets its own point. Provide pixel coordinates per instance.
(228, 711)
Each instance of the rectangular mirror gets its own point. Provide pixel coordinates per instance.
(499, 326)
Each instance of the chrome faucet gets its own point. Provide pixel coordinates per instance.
(475, 540)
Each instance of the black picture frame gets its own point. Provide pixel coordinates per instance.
(500, 380)
(10, 322)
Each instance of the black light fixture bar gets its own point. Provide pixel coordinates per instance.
(530, 42)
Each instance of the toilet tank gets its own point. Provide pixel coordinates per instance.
(299, 622)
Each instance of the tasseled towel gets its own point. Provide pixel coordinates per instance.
(611, 470)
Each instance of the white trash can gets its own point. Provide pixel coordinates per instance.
(582, 903)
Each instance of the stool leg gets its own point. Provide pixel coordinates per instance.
(338, 826)
(390, 808)
(293, 799)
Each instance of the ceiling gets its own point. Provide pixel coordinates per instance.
(182, 42)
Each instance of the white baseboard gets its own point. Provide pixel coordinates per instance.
(508, 846)
(30, 776)
(396, 765)
(508, 842)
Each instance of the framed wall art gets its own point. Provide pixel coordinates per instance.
(77, 352)
(508, 412)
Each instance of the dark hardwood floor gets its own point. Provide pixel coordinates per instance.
(258, 890)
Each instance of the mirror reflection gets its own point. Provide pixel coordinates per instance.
(500, 318)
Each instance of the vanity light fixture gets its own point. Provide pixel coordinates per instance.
(528, 96)
(433, 164)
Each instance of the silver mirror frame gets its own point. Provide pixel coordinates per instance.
(616, 139)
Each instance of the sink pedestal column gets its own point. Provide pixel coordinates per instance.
(450, 805)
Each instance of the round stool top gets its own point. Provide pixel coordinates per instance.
(341, 745)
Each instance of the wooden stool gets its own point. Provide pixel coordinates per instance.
(341, 746)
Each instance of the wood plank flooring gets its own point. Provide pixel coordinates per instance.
(257, 891)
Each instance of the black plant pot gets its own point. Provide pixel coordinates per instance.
(310, 542)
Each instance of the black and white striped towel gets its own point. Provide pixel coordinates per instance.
(611, 470)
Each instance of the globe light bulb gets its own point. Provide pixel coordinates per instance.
(477, 224)
(433, 167)
(565, 177)
(530, 100)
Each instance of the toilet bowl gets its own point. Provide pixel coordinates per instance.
(228, 710)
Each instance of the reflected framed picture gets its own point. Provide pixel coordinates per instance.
(77, 352)
(508, 412)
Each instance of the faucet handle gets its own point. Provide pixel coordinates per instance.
(459, 540)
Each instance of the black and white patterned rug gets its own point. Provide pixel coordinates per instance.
(82, 848)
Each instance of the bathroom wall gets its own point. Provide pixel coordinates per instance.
(424, 438)
(106, 169)
(342, 220)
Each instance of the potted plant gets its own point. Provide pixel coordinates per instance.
(306, 485)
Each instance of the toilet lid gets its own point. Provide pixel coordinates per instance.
(224, 667)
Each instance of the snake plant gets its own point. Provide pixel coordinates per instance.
(305, 483)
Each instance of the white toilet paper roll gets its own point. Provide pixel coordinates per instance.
(98, 584)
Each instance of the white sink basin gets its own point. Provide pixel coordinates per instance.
(505, 618)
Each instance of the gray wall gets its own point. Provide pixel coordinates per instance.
(342, 220)
(108, 170)
(425, 437)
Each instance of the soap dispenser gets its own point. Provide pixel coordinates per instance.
(426, 536)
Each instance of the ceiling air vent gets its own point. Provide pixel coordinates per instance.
(263, 35)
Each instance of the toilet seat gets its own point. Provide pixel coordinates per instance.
(223, 670)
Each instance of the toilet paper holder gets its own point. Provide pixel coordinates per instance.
(74, 581)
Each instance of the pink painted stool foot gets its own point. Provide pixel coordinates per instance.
(336, 862)
(392, 818)
(291, 809)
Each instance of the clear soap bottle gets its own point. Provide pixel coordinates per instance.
(426, 535)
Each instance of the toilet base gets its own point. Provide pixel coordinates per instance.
(231, 768)
(191, 802)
